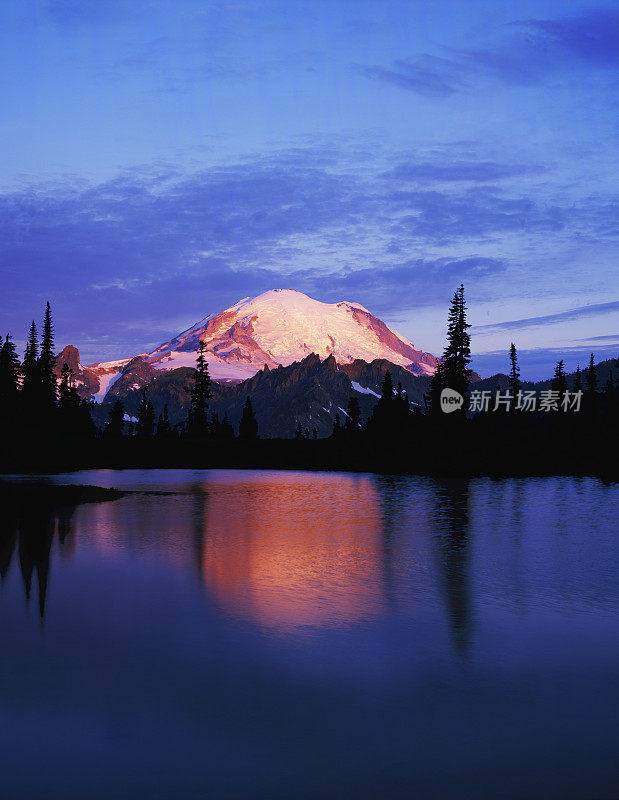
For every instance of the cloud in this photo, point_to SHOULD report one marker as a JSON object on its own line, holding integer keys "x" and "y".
{"x": 468, "y": 171}
{"x": 592, "y": 36}
{"x": 153, "y": 244}
{"x": 477, "y": 212}
{"x": 428, "y": 75}
{"x": 550, "y": 319}
{"x": 526, "y": 53}
{"x": 613, "y": 337}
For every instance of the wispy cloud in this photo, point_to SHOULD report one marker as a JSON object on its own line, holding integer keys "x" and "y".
{"x": 155, "y": 243}
{"x": 550, "y": 319}
{"x": 462, "y": 171}
{"x": 527, "y": 51}
{"x": 428, "y": 75}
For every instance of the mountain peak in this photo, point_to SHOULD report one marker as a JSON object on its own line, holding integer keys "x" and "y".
{"x": 282, "y": 326}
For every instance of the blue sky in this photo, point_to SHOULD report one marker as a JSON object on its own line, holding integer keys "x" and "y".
{"x": 163, "y": 158}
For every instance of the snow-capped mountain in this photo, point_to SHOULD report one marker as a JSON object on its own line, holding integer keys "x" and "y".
{"x": 277, "y": 328}
{"x": 282, "y": 326}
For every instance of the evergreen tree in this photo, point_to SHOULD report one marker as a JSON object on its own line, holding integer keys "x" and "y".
{"x": 337, "y": 428}
{"x": 401, "y": 407}
{"x": 437, "y": 383}
{"x": 46, "y": 361}
{"x": 164, "y": 429}
{"x": 609, "y": 394}
{"x": 386, "y": 390}
{"x": 591, "y": 387}
{"x": 30, "y": 369}
{"x": 306, "y": 433}
{"x": 227, "y": 431}
{"x": 116, "y": 420}
{"x": 200, "y": 395}
{"x": 64, "y": 389}
{"x": 578, "y": 380}
{"x": 592, "y": 377}
{"x": 298, "y": 434}
{"x": 457, "y": 353}
{"x": 146, "y": 417}
{"x": 314, "y": 433}
{"x": 9, "y": 369}
{"x": 353, "y": 416}
{"x": 515, "y": 384}
{"x": 559, "y": 379}
{"x": 248, "y": 427}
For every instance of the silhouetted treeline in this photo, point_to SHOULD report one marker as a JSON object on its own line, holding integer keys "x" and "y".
{"x": 560, "y": 427}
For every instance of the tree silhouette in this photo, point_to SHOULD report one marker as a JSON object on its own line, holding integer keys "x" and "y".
{"x": 353, "y": 416}
{"x": 578, "y": 380}
{"x": 337, "y": 428}
{"x": 226, "y": 429}
{"x": 9, "y": 368}
{"x": 559, "y": 379}
{"x": 30, "y": 369}
{"x": 164, "y": 429}
{"x": 46, "y": 362}
{"x": 116, "y": 420}
{"x": 200, "y": 395}
{"x": 457, "y": 353}
{"x": 592, "y": 386}
{"x": 432, "y": 399}
{"x": 515, "y": 384}
{"x": 146, "y": 418}
{"x": 248, "y": 427}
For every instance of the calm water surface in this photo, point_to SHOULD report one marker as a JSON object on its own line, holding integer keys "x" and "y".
{"x": 296, "y": 635}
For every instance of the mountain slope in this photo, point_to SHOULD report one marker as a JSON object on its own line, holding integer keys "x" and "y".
{"x": 282, "y": 326}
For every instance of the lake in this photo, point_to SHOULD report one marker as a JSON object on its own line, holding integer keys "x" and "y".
{"x": 226, "y": 634}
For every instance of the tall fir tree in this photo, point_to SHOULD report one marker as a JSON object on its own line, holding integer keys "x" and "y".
{"x": 337, "y": 427}
{"x": 401, "y": 406}
{"x": 9, "y": 372}
{"x": 146, "y": 418}
{"x": 457, "y": 353}
{"x": 559, "y": 379}
{"x": 200, "y": 395}
{"x": 227, "y": 431}
{"x": 248, "y": 427}
{"x": 432, "y": 399}
{"x": 592, "y": 376}
{"x": 30, "y": 370}
{"x": 353, "y": 416}
{"x": 47, "y": 377}
{"x": 591, "y": 397}
{"x": 298, "y": 432}
{"x": 386, "y": 389}
{"x": 116, "y": 420}
{"x": 164, "y": 429}
{"x": 578, "y": 380}
{"x": 514, "y": 381}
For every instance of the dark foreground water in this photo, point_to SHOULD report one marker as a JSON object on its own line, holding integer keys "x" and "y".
{"x": 295, "y": 635}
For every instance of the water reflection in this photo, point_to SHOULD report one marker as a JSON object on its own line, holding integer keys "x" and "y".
{"x": 225, "y": 634}
{"x": 27, "y": 535}
{"x": 451, "y": 534}
{"x": 281, "y": 550}
{"x": 292, "y": 553}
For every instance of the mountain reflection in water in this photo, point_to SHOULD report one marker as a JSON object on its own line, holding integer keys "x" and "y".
{"x": 279, "y": 634}
{"x": 284, "y": 552}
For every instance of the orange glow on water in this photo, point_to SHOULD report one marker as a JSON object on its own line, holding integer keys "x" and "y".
{"x": 294, "y": 551}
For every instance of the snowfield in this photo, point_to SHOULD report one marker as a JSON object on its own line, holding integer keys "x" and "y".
{"x": 282, "y": 326}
